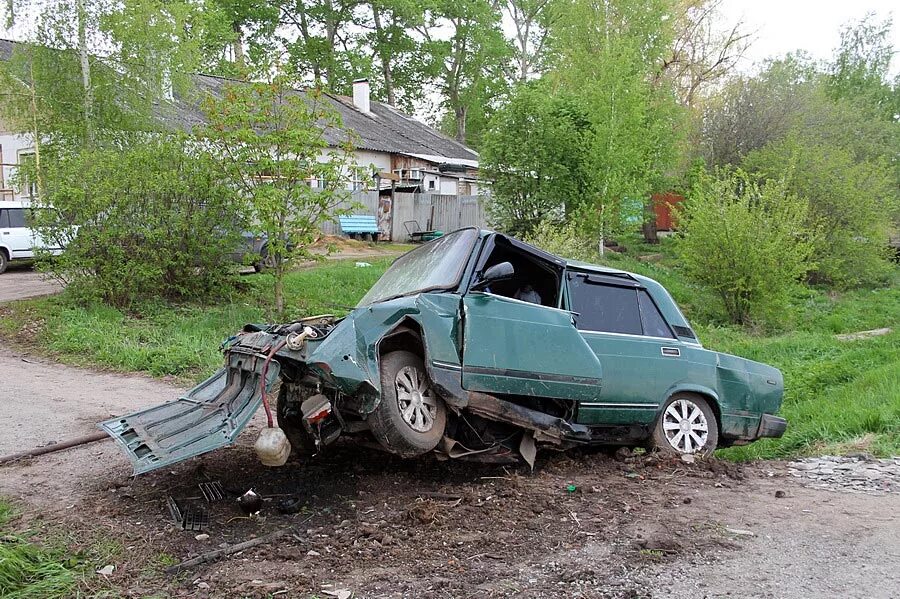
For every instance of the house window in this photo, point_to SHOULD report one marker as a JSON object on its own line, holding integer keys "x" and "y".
{"x": 27, "y": 184}
{"x": 431, "y": 184}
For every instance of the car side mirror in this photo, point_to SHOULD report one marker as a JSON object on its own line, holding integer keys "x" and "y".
{"x": 496, "y": 273}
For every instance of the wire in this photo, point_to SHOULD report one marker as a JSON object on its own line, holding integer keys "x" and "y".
{"x": 262, "y": 383}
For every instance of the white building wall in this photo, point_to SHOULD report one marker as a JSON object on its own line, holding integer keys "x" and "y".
{"x": 448, "y": 186}
{"x": 12, "y": 145}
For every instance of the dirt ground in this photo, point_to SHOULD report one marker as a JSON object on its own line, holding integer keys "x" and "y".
{"x": 21, "y": 281}
{"x": 580, "y": 525}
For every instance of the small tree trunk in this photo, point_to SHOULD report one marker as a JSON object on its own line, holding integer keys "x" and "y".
{"x": 85, "y": 72}
{"x": 237, "y": 47}
{"x": 279, "y": 285}
{"x": 460, "y": 112}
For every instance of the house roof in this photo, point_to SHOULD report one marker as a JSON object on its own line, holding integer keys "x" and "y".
{"x": 383, "y": 129}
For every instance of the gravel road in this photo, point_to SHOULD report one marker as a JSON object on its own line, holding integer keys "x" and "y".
{"x": 634, "y": 528}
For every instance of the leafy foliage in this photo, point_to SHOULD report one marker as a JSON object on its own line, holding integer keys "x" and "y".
{"x": 535, "y": 155}
{"x": 149, "y": 220}
{"x": 745, "y": 240}
{"x": 849, "y": 204}
{"x": 269, "y": 142}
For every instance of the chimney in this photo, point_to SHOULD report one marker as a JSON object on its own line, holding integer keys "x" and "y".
{"x": 361, "y": 95}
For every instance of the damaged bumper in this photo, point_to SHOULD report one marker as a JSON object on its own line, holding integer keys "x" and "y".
{"x": 771, "y": 426}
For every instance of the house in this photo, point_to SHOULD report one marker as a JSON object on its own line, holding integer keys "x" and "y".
{"x": 402, "y": 153}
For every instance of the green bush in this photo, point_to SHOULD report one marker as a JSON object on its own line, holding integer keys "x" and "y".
{"x": 144, "y": 222}
{"x": 562, "y": 239}
{"x": 746, "y": 241}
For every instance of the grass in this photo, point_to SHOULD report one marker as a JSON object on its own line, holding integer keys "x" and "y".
{"x": 29, "y": 571}
{"x": 840, "y": 396}
{"x": 181, "y": 341}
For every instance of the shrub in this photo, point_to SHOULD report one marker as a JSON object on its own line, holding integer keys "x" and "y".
{"x": 746, "y": 241}
{"x": 562, "y": 239}
{"x": 147, "y": 221}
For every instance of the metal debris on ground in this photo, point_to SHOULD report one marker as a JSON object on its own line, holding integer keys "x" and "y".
{"x": 212, "y": 491}
{"x": 852, "y": 474}
{"x": 190, "y": 517}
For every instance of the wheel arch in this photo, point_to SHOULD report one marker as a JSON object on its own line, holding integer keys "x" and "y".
{"x": 409, "y": 335}
{"x": 709, "y": 395}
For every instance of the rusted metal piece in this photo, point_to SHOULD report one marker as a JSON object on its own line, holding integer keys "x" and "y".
{"x": 52, "y": 448}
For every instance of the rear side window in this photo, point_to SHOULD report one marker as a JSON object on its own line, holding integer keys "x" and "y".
{"x": 654, "y": 323}
{"x": 605, "y": 308}
{"x": 4, "y": 219}
{"x": 15, "y": 217}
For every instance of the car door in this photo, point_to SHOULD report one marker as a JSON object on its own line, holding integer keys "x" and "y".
{"x": 18, "y": 234}
{"x": 520, "y": 348}
{"x": 640, "y": 355}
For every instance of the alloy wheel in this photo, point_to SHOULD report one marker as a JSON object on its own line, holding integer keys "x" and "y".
{"x": 418, "y": 405}
{"x": 685, "y": 426}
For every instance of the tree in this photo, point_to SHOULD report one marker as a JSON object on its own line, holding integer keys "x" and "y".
{"x": 325, "y": 49}
{"x": 861, "y": 67}
{"x": 468, "y": 61}
{"x": 746, "y": 241}
{"x": 270, "y": 144}
{"x": 153, "y": 222}
{"x": 605, "y": 54}
{"x": 398, "y": 55}
{"x": 850, "y": 203}
{"x": 535, "y": 154}
{"x": 532, "y": 20}
{"x": 701, "y": 53}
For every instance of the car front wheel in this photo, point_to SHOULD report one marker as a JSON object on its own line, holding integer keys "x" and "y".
{"x": 687, "y": 425}
{"x": 410, "y": 419}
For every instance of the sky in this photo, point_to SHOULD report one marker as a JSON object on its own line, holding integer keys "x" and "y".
{"x": 781, "y": 26}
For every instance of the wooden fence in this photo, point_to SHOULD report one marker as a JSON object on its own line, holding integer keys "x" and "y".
{"x": 406, "y": 212}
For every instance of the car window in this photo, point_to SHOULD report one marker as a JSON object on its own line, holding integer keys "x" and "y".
{"x": 604, "y": 308}
{"x": 4, "y": 219}
{"x": 16, "y": 217}
{"x": 654, "y": 323}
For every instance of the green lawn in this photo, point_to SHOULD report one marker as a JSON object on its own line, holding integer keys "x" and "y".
{"x": 29, "y": 571}
{"x": 840, "y": 395}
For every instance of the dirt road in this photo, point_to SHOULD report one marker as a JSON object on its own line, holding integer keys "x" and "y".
{"x": 579, "y": 526}
{"x": 20, "y": 282}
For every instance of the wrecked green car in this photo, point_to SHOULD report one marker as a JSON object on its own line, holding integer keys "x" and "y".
{"x": 474, "y": 345}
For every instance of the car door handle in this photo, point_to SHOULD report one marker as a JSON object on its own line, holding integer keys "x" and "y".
{"x": 671, "y": 352}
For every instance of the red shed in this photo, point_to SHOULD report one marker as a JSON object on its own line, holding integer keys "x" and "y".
{"x": 662, "y": 208}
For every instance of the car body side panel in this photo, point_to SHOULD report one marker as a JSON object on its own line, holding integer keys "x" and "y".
{"x": 636, "y": 377}
{"x": 514, "y": 347}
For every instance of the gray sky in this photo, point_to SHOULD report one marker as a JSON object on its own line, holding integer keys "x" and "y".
{"x": 782, "y": 26}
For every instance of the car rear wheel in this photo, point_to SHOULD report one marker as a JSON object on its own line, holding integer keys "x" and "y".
{"x": 4, "y": 261}
{"x": 686, "y": 425}
{"x": 410, "y": 418}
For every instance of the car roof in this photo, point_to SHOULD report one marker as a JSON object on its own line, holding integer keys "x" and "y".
{"x": 14, "y": 204}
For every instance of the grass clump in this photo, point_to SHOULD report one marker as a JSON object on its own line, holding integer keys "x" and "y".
{"x": 28, "y": 571}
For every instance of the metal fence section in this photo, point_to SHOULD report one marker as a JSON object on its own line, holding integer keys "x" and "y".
{"x": 407, "y": 212}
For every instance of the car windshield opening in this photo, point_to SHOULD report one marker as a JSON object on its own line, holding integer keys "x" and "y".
{"x": 436, "y": 265}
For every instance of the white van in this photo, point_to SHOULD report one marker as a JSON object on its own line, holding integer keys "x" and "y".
{"x": 17, "y": 240}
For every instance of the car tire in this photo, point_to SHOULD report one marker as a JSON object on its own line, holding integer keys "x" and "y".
{"x": 686, "y": 425}
{"x": 290, "y": 421}
{"x": 410, "y": 418}
{"x": 4, "y": 261}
